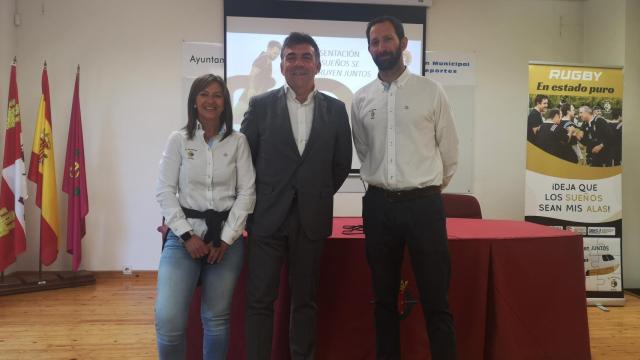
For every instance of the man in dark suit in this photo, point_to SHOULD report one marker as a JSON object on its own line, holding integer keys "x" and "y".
{"x": 598, "y": 138}
{"x": 557, "y": 139}
{"x": 534, "y": 120}
{"x": 301, "y": 146}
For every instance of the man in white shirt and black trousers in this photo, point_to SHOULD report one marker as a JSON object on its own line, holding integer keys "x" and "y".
{"x": 405, "y": 137}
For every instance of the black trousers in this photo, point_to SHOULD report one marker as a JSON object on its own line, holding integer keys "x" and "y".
{"x": 266, "y": 256}
{"x": 601, "y": 161}
{"x": 420, "y": 224}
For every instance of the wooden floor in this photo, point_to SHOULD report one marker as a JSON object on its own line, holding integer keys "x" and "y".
{"x": 110, "y": 320}
{"x": 114, "y": 320}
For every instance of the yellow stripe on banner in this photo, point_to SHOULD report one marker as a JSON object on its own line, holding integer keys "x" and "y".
{"x": 544, "y": 163}
{"x": 575, "y": 81}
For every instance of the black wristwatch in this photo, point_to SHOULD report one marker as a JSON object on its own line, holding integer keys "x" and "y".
{"x": 187, "y": 235}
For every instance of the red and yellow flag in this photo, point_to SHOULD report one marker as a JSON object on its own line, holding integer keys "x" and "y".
{"x": 42, "y": 171}
{"x": 13, "y": 190}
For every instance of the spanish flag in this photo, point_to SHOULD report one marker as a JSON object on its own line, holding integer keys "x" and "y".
{"x": 13, "y": 190}
{"x": 42, "y": 171}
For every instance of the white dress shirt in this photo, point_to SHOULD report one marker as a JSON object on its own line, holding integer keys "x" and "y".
{"x": 197, "y": 176}
{"x": 404, "y": 133}
{"x": 301, "y": 116}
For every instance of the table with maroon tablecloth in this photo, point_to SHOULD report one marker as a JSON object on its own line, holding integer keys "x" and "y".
{"x": 517, "y": 292}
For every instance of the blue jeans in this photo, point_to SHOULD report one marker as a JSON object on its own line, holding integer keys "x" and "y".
{"x": 177, "y": 279}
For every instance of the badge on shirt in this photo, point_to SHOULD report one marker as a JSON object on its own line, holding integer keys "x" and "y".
{"x": 190, "y": 153}
{"x": 372, "y": 114}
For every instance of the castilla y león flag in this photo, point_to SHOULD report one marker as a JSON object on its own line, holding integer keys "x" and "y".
{"x": 42, "y": 171}
{"x": 74, "y": 182}
{"x": 13, "y": 190}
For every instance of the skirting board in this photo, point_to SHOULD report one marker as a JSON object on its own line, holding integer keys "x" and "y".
{"x": 606, "y": 301}
{"x": 30, "y": 281}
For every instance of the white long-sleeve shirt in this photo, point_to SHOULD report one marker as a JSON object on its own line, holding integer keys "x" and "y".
{"x": 196, "y": 176}
{"x": 404, "y": 133}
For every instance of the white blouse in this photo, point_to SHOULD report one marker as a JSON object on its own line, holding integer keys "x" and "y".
{"x": 199, "y": 177}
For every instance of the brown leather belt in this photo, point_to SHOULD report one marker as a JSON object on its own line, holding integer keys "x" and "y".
{"x": 403, "y": 195}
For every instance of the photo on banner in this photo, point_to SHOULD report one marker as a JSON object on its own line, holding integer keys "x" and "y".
{"x": 574, "y": 164}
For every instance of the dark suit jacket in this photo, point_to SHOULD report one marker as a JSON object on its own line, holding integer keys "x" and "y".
{"x": 282, "y": 174}
{"x": 533, "y": 120}
{"x": 598, "y": 132}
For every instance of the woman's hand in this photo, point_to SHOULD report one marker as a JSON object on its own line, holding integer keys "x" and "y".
{"x": 196, "y": 247}
{"x": 217, "y": 253}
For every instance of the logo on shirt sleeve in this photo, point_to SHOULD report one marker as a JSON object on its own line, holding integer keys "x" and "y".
{"x": 372, "y": 114}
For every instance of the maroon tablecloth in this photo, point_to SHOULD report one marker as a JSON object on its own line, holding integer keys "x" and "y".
{"x": 517, "y": 292}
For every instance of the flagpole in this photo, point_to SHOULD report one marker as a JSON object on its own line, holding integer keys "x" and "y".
{"x": 15, "y": 60}
{"x": 77, "y": 75}
{"x": 40, "y": 247}
{"x": 40, "y": 262}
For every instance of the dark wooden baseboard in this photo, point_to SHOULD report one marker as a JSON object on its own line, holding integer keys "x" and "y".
{"x": 30, "y": 281}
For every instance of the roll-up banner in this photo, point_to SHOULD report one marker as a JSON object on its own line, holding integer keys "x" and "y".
{"x": 574, "y": 165}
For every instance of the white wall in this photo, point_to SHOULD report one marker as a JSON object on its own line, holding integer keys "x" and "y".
{"x": 7, "y": 52}
{"x": 129, "y": 52}
{"x": 604, "y": 32}
{"x": 631, "y": 148}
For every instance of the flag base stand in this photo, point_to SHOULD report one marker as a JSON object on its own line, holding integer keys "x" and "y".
{"x": 30, "y": 281}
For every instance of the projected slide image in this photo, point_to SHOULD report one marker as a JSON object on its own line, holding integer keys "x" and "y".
{"x": 253, "y": 57}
